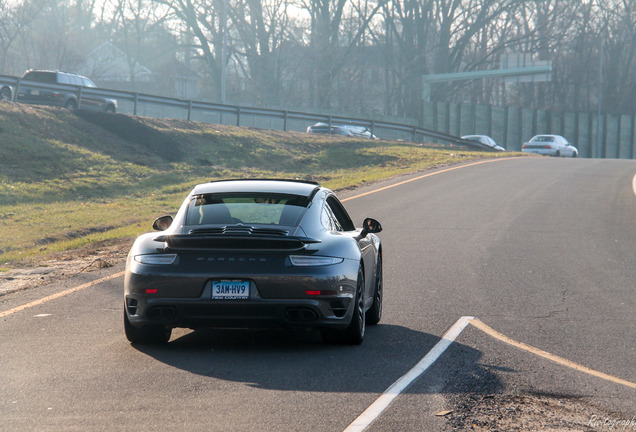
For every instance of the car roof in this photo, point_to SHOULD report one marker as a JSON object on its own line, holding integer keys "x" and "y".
{"x": 48, "y": 71}
{"x": 294, "y": 187}
{"x": 547, "y": 136}
{"x": 340, "y": 125}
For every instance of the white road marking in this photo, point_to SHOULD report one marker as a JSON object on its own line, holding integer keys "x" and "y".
{"x": 365, "y": 419}
{"x": 380, "y": 404}
{"x": 634, "y": 184}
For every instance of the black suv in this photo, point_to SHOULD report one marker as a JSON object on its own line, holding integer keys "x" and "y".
{"x": 62, "y": 98}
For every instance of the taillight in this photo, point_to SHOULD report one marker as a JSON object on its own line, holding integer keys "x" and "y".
{"x": 321, "y": 292}
{"x": 309, "y": 260}
{"x": 156, "y": 259}
{"x": 151, "y": 290}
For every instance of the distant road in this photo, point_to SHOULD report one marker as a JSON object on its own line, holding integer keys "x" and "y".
{"x": 540, "y": 249}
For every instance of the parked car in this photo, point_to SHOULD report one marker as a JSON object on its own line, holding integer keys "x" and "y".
{"x": 484, "y": 140}
{"x": 552, "y": 145}
{"x": 255, "y": 253}
{"x": 346, "y": 130}
{"x": 67, "y": 99}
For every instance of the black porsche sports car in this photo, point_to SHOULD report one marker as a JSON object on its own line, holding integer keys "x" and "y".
{"x": 255, "y": 253}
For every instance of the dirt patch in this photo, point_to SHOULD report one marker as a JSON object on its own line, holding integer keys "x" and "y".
{"x": 531, "y": 412}
{"x": 63, "y": 265}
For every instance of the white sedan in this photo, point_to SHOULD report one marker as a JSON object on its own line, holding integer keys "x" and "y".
{"x": 551, "y": 145}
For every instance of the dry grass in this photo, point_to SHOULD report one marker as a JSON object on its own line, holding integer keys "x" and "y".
{"x": 71, "y": 179}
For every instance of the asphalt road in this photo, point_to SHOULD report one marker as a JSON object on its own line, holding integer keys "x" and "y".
{"x": 540, "y": 249}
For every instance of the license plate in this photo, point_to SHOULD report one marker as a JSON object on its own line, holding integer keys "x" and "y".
{"x": 35, "y": 92}
{"x": 230, "y": 290}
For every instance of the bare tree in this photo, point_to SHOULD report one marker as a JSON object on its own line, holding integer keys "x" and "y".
{"x": 136, "y": 25}
{"x": 262, "y": 28}
{"x": 14, "y": 20}
{"x": 617, "y": 33}
{"x": 207, "y": 23}
{"x": 329, "y": 46}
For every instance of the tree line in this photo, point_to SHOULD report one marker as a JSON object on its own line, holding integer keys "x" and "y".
{"x": 363, "y": 56}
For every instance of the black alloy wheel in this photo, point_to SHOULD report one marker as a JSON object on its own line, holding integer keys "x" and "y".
{"x": 354, "y": 333}
{"x": 374, "y": 314}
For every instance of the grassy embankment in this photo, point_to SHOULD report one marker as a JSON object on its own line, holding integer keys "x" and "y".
{"x": 69, "y": 180}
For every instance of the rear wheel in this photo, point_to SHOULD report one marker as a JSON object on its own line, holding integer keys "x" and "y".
{"x": 374, "y": 314}
{"x": 354, "y": 334}
{"x": 146, "y": 334}
{"x": 5, "y": 94}
{"x": 70, "y": 105}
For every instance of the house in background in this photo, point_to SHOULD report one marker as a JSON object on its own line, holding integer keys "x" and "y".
{"x": 111, "y": 67}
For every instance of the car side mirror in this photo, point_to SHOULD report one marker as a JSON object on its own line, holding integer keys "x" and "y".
{"x": 370, "y": 225}
{"x": 162, "y": 223}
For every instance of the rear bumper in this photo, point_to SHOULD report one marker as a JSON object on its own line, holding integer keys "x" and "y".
{"x": 179, "y": 296}
{"x": 545, "y": 152}
{"x": 186, "y": 313}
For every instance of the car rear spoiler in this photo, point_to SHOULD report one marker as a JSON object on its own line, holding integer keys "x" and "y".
{"x": 186, "y": 242}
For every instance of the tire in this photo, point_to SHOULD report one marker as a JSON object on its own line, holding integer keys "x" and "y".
{"x": 5, "y": 94}
{"x": 354, "y": 333}
{"x": 70, "y": 105}
{"x": 110, "y": 109}
{"x": 374, "y": 314}
{"x": 575, "y": 154}
{"x": 146, "y": 334}
{"x": 558, "y": 153}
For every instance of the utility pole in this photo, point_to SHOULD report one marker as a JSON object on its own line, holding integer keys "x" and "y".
{"x": 599, "y": 120}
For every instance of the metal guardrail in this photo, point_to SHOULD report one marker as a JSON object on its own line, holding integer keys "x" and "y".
{"x": 136, "y": 100}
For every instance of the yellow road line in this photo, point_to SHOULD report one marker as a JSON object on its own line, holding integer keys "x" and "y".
{"x": 560, "y": 360}
{"x": 427, "y": 175}
{"x": 60, "y": 294}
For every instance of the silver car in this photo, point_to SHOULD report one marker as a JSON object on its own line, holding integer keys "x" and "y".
{"x": 345, "y": 130}
{"x": 484, "y": 140}
{"x": 34, "y": 94}
{"x": 551, "y": 145}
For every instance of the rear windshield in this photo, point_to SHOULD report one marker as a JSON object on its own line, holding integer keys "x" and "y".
{"x": 246, "y": 208}
{"x": 543, "y": 139}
